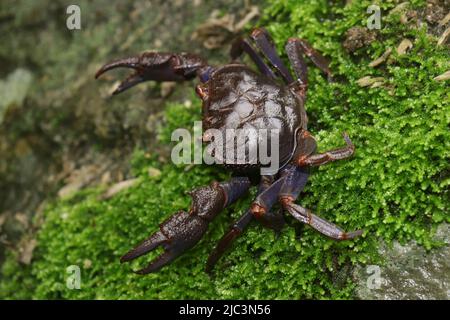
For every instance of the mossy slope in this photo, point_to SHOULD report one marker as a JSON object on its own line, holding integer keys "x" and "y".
{"x": 394, "y": 187}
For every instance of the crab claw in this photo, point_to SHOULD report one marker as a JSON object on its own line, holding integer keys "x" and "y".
{"x": 157, "y": 66}
{"x": 183, "y": 230}
{"x": 177, "y": 234}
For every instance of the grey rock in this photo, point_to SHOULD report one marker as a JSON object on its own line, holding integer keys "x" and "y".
{"x": 409, "y": 272}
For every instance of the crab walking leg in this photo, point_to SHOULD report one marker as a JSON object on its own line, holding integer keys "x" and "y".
{"x": 294, "y": 183}
{"x": 297, "y": 47}
{"x": 298, "y": 64}
{"x": 225, "y": 242}
{"x": 329, "y": 156}
{"x": 264, "y": 42}
{"x": 323, "y": 226}
{"x": 267, "y": 196}
{"x": 239, "y": 46}
{"x": 295, "y": 179}
{"x": 183, "y": 230}
{"x": 157, "y": 66}
{"x": 260, "y": 208}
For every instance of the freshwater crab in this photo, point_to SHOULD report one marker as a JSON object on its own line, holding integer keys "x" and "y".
{"x": 233, "y": 96}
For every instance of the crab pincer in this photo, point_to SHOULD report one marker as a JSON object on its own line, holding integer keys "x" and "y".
{"x": 157, "y": 66}
{"x": 183, "y": 230}
{"x": 176, "y": 235}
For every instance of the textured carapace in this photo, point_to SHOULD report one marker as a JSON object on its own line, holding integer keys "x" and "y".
{"x": 236, "y": 97}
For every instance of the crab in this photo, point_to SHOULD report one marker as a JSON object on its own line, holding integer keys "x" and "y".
{"x": 235, "y": 95}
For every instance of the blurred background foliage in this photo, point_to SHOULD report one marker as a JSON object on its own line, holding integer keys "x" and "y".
{"x": 67, "y": 148}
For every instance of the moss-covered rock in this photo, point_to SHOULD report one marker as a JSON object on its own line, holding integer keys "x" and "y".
{"x": 395, "y": 187}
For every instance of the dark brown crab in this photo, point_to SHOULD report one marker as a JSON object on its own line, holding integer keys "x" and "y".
{"x": 233, "y": 96}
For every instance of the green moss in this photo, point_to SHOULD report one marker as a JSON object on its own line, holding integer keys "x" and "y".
{"x": 394, "y": 187}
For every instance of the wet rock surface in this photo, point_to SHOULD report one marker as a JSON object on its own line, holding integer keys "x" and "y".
{"x": 409, "y": 272}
